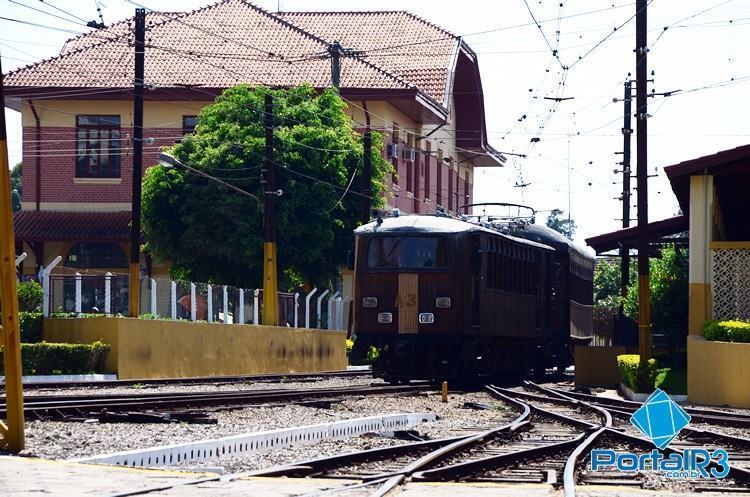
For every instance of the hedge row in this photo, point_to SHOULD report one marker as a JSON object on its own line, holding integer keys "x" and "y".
{"x": 31, "y": 326}
{"x": 62, "y": 358}
{"x": 636, "y": 376}
{"x": 727, "y": 331}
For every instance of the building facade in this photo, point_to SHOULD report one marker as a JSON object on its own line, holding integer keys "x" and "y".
{"x": 405, "y": 77}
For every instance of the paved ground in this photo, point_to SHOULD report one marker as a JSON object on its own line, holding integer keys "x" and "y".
{"x": 27, "y": 477}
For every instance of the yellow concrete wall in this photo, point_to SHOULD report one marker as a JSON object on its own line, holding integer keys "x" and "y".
{"x": 171, "y": 349}
{"x": 597, "y": 366}
{"x": 718, "y": 372}
{"x": 86, "y": 330}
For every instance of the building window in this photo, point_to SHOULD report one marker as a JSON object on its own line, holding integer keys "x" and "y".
{"x": 394, "y": 160}
{"x": 439, "y": 178}
{"x": 98, "y": 154}
{"x": 188, "y": 124}
{"x": 96, "y": 255}
{"x": 428, "y": 166}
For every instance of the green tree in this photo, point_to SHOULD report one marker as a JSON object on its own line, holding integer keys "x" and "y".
{"x": 668, "y": 283}
{"x": 16, "y": 186}
{"x": 210, "y": 233}
{"x": 561, "y": 224}
{"x": 607, "y": 282}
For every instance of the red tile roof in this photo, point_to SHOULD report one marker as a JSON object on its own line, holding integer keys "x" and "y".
{"x": 405, "y": 44}
{"x": 234, "y": 41}
{"x": 81, "y": 226}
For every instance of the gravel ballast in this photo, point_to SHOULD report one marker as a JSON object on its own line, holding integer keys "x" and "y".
{"x": 69, "y": 440}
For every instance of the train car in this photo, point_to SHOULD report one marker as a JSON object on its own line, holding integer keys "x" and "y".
{"x": 443, "y": 297}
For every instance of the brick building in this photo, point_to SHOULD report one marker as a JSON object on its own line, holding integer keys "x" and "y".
{"x": 410, "y": 78}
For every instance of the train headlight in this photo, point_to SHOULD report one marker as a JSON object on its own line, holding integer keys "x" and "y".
{"x": 443, "y": 302}
{"x": 426, "y": 318}
{"x": 369, "y": 302}
{"x": 385, "y": 318}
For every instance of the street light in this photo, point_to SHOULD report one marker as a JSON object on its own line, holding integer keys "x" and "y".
{"x": 169, "y": 161}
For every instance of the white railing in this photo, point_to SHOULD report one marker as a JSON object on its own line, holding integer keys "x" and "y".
{"x": 77, "y": 293}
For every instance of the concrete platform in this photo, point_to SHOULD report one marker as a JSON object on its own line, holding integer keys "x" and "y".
{"x": 20, "y": 476}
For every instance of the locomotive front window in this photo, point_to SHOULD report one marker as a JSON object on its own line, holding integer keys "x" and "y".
{"x": 411, "y": 252}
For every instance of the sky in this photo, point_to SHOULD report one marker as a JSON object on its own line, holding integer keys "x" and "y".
{"x": 571, "y": 146}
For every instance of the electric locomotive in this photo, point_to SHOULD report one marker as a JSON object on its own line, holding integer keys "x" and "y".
{"x": 444, "y": 297}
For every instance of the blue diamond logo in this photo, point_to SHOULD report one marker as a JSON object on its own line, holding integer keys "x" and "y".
{"x": 660, "y": 419}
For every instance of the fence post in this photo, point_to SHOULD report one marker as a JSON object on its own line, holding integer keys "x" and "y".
{"x": 242, "y": 307}
{"x": 153, "y": 297}
{"x": 340, "y": 314}
{"x": 256, "y": 293}
{"x": 78, "y": 294}
{"x": 192, "y": 301}
{"x": 331, "y": 310}
{"x": 225, "y": 294}
{"x": 296, "y": 309}
{"x": 173, "y": 299}
{"x": 20, "y": 258}
{"x": 307, "y": 306}
{"x": 108, "y": 294}
{"x": 210, "y": 304}
{"x": 320, "y": 300}
{"x": 44, "y": 276}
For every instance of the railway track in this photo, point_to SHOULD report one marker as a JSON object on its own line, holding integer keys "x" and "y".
{"x": 550, "y": 441}
{"x": 201, "y": 380}
{"x": 82, "y": 406}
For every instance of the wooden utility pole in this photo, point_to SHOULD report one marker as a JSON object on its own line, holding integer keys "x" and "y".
{"x": 12, "y": 434}
{"x": 367, "y": 168}
{"x": 335, "y": 50}
{"x": 270, "y": 296}
{"x": 135, "y": 208}
{"x": 641, "y": 73}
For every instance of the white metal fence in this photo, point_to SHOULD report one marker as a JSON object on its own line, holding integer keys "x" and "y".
{"x": 71, "y": 292}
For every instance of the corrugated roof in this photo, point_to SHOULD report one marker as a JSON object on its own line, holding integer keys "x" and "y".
{"x": 234, "y": 41}
{"x": 66, "y": 225}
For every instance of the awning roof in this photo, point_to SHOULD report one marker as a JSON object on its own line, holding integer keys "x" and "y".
{"x": 32, "y": 226}
{"x": 627, "y": 237}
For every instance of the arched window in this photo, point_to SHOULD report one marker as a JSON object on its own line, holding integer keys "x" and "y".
{"x": 96, "y": 255}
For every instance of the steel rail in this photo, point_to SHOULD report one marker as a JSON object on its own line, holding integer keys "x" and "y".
{"x": 197, "y": 380}
{"x": 64, "y": 405}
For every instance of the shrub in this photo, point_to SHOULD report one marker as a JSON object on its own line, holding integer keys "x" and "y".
{"x": 62, "y": 358}
{"x": 30, "y": 296}
{"x": 636, "y": 376}
{"x": 31, "y": 326}
{"x": 727, "y": 331}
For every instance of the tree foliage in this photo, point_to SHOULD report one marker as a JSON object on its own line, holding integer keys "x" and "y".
{"x": 213, "y": 234}
{"x": 607, "y": 282}
{"x": 668, "y": 284}
{"x": 16, "y": 186}
{"x": 561, "y": 224}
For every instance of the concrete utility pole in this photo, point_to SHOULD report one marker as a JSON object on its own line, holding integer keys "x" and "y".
{"x": 627, "y": 132}
{"x": 270, "y": 296}
{"x": 12, "y": 434}
{"x": 135, "y": 209}
{"x": 644, "y": 297}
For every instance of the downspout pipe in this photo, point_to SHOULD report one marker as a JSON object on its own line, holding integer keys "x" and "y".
{"x": 38, "y": 154}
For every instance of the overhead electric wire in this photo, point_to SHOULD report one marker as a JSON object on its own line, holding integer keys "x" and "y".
{"x": 47, "y": 13}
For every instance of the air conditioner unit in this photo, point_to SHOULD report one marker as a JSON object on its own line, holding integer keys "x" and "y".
{"x": 409, "y": 154}
{"x": 391, "y": 150}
